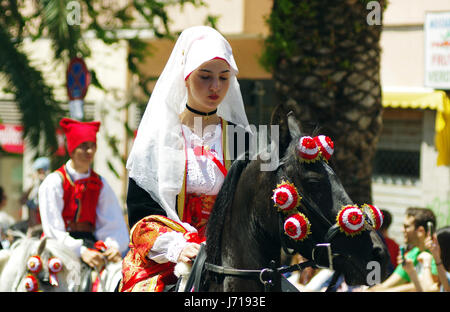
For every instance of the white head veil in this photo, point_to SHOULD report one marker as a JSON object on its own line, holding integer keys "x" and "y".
{"x": 157, "y": 158}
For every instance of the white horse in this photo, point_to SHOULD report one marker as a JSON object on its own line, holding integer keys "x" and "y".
{"x": 33, "y": 264}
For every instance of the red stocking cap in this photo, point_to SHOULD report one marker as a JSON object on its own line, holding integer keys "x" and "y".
{"x": 78, "y": 132}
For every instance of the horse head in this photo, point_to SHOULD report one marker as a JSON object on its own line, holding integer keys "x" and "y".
{"x": 319, "y": 219}
{"x": 40, "y": 265}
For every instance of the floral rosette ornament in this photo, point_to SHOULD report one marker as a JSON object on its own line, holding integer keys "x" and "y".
{"x": 34, "y": 264}
{"x": 326, "y": 146}
{"x": 351, "y": 220}
{"x": 31, "y": 283}
{"x": 297, "y": 227}
{"x": 54, "y": 267}
{"x": 286, "y": 197}
{"x": 374, "y": 214}
{"x": 307, "y": 149}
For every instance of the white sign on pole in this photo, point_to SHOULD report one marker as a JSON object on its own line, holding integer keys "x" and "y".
{"x": 437, "y": 50}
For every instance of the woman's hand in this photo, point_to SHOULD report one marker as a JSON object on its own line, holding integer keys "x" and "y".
{"x": 189, "y": 252}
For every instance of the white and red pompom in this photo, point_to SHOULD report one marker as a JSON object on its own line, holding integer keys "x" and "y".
{"x": 375, "y": 215}
{"x": 54, "y": 266}
{"x": 34, "y": 264}
{"x": 326, "y": 146}
{"x": 307, "y": 148}
{"x": 297, "y": 227}
{"x": 351, "y": 220}
{"x": 286, "y": 197}
{"x": 31, "y": 283}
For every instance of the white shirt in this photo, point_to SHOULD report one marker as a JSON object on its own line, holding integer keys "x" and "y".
{"x": 203, "y": 177}
{"x": 110, "y": 225}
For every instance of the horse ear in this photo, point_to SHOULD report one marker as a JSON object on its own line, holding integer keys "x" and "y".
{"x": 293, "y": 124}
{"x": 41, "y": 246}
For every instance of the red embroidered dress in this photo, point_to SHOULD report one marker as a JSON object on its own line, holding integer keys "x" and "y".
{"x": 143, "y": 274}
{"x": 80, "y": 199}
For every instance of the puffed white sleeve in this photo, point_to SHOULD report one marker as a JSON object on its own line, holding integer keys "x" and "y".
{"x": 51, "y": 204}
{"x": 110, "y": 225}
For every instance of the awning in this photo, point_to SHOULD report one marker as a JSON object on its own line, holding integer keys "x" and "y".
{"x": 11, "y": 139}
{"x": 437, "y": 100}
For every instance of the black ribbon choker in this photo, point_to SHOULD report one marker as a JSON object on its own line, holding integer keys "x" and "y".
{"x": 199, "y": 112}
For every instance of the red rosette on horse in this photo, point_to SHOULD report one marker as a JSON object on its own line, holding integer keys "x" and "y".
{"x": 350, "y": 220}
{"x": 297, "y": 227}
{"x": 31, "y": 283}
{"x": 34, "y": 264}
{"x": 326, "y": 146}
{"x": 307, "y": 149}
{"x": 54, "y": 266}
{"x": 374, "y": 214}
{"x": 286, "y": 197}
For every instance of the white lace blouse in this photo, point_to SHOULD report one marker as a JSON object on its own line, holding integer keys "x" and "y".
{"x": 203, "y": 177}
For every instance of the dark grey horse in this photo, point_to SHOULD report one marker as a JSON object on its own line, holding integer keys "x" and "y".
{"x": 245, "y": 230}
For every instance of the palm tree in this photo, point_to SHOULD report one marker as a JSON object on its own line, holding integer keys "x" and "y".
{"x": 49, "y": 19}
{"x": 325, "y": 59}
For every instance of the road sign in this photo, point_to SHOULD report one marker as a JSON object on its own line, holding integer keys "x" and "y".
{"x": 78, "y": 79}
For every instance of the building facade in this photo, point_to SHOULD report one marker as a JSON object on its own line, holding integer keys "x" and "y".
{"x": 405, "y": 168}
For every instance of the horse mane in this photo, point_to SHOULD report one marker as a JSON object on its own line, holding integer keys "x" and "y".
{"x": 224, "y": 201}
{"x": 16, "y": 266}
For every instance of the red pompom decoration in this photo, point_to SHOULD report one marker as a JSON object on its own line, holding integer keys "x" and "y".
{"x": 297, "y": 227}
{"x": 307, "y": 148}
{"x": 31, "y": 283}
{"x": 34, "y": 264}
{"x": 351, "y": 220}
{"x": 326, "y": 146}
{"x": 286, "y": 197}
{"x": 375, "y": 215}
{"x": 54, "y": 265}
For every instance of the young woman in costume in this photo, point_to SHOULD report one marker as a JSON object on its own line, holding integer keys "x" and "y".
{"x": 180, "y": 157}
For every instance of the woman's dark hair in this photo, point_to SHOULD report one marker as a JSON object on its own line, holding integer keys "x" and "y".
{"x": 387, "y": 219}
{"x": 443, "y": 237}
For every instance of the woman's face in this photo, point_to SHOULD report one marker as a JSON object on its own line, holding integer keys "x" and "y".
{"x": 208, "y": 84}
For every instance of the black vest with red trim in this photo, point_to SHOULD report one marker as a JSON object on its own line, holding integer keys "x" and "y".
{"x": 80, "y": 197}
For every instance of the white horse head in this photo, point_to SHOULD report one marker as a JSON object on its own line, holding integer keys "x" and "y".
{"x": 72, "y": 275}
{"x": 16, "y": 272}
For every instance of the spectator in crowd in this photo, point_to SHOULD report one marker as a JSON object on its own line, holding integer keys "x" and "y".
{"x": 30, "y": 199}
{"x": 415, "y": 234}
{"x": 6, "y": 221}
{"x": 439, "y": 245}
{"x": 391, "y": 244}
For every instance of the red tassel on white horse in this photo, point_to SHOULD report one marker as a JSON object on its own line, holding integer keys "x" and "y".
{"x": 54, "y": 266}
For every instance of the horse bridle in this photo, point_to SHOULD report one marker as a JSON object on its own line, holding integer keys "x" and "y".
{"x": 267, "y": 275}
